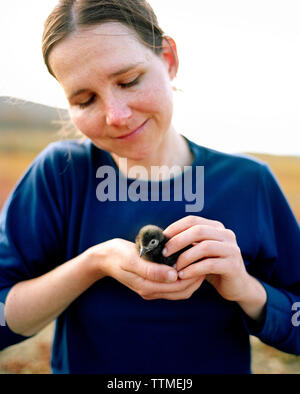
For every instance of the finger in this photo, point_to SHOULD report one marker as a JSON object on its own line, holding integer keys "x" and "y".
{"x": 152, "y": 271}
{"x": 189, "y": 221}
{"x": 202, "y": 250}
{"x": 194, "y": 234}
{"x": 182, "y": 294}
{"x": 204, "y": 267}
{"x": 153, "y": 290}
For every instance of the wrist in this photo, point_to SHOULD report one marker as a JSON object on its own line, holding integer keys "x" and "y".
{"x": 254, "y": 298}
{"x": 94, "y": 259}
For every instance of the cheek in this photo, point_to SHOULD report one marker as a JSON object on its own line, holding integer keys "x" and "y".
{"x": 157, "y": 99}
{"x": 86, "y": 121}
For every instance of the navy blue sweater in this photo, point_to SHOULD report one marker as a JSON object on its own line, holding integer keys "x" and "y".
{"x": 54, "y": 214}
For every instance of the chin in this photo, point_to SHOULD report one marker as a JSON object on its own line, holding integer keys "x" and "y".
{"x": 137, "y": 154}
{"x": 137, "y": 151}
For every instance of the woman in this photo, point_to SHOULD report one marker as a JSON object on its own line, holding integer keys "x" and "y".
{"x": 76, "y": 261}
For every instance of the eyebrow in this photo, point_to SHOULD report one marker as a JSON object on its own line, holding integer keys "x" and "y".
{"x": 123, "y": 70}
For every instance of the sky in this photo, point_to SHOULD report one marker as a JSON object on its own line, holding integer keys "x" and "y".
{"x": 239, "y": 76}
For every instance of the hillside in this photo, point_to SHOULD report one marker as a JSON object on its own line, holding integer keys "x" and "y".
{"x": 17, "y": 114}
{"x": 28, "y": 127}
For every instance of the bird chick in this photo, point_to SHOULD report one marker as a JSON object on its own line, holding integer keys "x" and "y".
{"x": 150, "y": 243}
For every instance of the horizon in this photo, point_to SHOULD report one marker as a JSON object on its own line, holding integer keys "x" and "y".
{"x": 17, "y": 100}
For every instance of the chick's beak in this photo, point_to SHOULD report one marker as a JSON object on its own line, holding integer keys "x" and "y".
{"x": 142, "y": 251}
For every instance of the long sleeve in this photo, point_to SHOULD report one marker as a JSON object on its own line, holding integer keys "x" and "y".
{"x": 277, "y": 266}
{"x": 31, "y": 230}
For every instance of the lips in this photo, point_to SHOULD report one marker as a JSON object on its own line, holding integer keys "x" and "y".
{"x": 133, "y": 133}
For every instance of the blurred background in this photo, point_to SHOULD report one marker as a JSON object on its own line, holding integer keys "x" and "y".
{"x": 238, "y": 91}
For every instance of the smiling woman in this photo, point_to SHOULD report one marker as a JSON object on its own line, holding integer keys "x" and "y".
{"x": 67, "y": 254}
{"x": 119, "y": 92}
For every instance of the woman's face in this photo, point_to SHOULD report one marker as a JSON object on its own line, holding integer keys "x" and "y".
{"x": 119, "y": 91}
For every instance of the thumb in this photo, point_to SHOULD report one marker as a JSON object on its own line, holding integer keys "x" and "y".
{"x": 156, "y": 272}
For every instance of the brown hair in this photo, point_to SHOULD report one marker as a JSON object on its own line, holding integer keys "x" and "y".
{"x": 69, "y": 15}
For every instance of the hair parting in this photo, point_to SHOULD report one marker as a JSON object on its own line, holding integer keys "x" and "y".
{"x": 70, "y": 15}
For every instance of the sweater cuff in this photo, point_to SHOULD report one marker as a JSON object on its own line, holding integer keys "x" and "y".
{"x": 7, "y": 336}
{"x": 276, "y": 324}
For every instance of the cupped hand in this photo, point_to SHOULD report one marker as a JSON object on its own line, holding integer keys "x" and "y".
{"x": 119, "y": 259}
{"x": 215, "y": 255}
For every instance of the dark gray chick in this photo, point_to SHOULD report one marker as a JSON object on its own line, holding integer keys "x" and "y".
{"x": 150, "y": 243}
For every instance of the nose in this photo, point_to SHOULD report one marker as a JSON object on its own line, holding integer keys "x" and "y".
{"x": 117, "y": 112}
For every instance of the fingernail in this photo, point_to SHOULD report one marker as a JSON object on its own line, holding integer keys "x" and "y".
{"x": 171, "y": 276}
{"x": 180, "y": 274}
{"x": 164, "y": 252}
{"x": 174, "y": 266}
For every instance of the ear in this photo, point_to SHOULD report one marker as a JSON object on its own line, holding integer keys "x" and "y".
{"x": 169, "y": 55}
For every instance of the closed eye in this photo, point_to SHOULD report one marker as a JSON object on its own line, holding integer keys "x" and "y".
{"x": 130, "y": 84}
{"x": 86, "y": 103}
{"x": 122, "y": 85}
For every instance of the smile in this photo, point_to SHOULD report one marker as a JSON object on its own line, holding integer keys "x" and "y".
{"x": 133, "y": 133}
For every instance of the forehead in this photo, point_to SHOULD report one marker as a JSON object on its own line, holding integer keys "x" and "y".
{"x": 106, "y": 46}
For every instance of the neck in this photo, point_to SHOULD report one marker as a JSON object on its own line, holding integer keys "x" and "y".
{"x": 168, "y": 160}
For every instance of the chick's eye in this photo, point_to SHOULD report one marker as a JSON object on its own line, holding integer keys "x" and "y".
{"x": 153, "y": 242}
{"x": 130, "y": 83}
